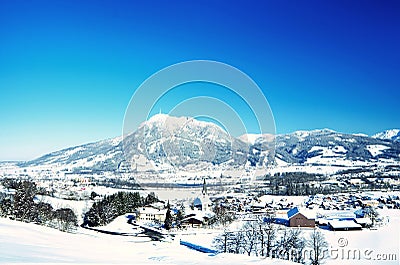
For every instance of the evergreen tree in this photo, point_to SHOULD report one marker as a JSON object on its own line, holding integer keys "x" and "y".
{"x": 44, "y": 212}
{"x": 24, "y": 206}
{"x": 168, "y": 218}
{"x": 66, "y": 219}
{"x": 151, "y": 198}
{"x": 180, "y": 215}
{"x": 6, "y": 208}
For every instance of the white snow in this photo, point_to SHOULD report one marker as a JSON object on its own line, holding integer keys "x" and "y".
{"x": 121, "y": 225}
{"x": 249, "y": 138}
{"x": 332, "y": 155}
{"x": 376, "y": 149}
{"x": 388, "y": 134}
{"x": 329, "y": 151}
{"x": 360, "y": 134}
{"x": 29, "y": 243}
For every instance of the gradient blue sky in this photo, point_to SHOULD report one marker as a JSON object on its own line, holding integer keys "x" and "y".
{"x": 69, "y": 68}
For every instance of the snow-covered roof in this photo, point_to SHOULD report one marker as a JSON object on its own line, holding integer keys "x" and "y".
{"x": 151, "y": 210}
{"x": 158, "y": 205}
{"x": 307, "y": 213}
{"x": 258, "y": 204}
{"x": 338, "y": 214}
{"x": 336, "y": 224}
{"x": 199, "y": 214}
{"x": 365, "y": 220}
{"x": 198, "y": 218}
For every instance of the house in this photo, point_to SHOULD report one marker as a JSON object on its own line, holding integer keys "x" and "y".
{"x": 193, "y": 221}
{"x": 345, "y": 225}
{"x": 300, "y": 218}
{"x": 196, "y": 218}
{"x": 150, "y": 214}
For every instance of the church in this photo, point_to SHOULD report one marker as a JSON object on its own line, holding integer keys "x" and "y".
{"x": 202, "y": 202}
{"x": 201, "y": 212}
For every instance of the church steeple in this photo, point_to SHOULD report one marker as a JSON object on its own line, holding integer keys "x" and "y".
{"x": 204, "y": 191}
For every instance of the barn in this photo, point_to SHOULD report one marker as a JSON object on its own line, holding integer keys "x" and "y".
{"x": 300, "y": 218}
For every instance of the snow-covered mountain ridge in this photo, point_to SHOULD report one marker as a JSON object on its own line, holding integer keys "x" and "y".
{"x": 393, "y": 135}
{"x": 165, "y": 141}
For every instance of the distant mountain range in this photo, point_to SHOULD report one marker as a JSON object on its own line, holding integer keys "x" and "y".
{"x": 393, "y": 135}
{"x": 164, "y": 142}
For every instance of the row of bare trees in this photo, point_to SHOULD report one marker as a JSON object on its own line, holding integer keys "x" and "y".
{"x": 263, "y": 238}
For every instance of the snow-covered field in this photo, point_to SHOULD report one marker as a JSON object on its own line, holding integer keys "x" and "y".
{"x": 29, "y": 243}
{"x": 372, "y": 246}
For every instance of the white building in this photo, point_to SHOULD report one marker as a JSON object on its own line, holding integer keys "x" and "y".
{"x": 150, "y": 214}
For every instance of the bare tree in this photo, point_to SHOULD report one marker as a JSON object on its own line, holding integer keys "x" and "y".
{"x": 230, "y": 242}
{"x": 290, "y": 245}
{"x": 267, "y": 235}
{"x": 283, "y": 248}
{"x": 250, "y": 232}
{"x": 222, "y": 215}
{"x": 296, "y": 245}
{"x": 318, "y": 246}
{"x": 221, "y": 242}
{"x": 237, "y": 242}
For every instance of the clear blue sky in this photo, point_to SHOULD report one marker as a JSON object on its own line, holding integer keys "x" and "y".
{"x": 69, "y": 68}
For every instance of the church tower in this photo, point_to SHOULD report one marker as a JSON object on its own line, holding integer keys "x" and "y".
{"x": 204, "y": 191}
{"x": 204, "y": 197}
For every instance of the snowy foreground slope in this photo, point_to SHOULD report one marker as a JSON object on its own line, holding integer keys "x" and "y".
{"x": 29, "y": 243}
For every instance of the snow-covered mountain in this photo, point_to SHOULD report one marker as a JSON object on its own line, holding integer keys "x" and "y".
{"x": 164, "y": 142}
{"x": 327, "y": 146}
{"x": 101, "y": 155}
{"x": 180, "y": 142}
{"x": 393, "y": 135}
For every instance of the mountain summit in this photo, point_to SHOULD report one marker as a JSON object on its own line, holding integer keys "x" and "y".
{"x": 181, "y": 141}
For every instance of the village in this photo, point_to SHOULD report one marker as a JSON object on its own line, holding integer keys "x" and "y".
{"x": 204, "y": 205}
{"x": 334, "y": 212}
